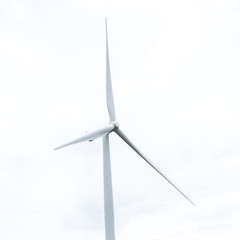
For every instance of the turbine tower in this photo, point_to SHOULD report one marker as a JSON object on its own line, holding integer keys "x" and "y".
{"x": 103, "y": 133}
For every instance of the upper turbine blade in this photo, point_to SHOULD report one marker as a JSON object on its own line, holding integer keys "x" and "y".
{"x": 125, "y": 138}
{"x": 90, "y": 136}
{"x": 109, "y": 92}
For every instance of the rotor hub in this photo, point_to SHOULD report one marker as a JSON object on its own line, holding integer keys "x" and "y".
{"x": 115, "y": 124}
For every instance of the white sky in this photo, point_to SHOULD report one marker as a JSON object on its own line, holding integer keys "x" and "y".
{"x": 175, "y": 73}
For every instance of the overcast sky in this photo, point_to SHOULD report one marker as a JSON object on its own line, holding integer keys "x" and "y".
{"x": 175, "y": 75}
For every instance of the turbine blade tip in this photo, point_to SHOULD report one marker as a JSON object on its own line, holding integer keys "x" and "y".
{"x": 59, "y": 147}
{"x": 193, "y": 204}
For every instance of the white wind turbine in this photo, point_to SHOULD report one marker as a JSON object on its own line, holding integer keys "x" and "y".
{"x": 113, "y": 126}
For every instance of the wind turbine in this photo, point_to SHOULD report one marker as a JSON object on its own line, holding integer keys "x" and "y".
{"x": 104, "y": 132}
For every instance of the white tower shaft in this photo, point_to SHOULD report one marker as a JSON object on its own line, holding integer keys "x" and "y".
{"x": 108, "y": 194}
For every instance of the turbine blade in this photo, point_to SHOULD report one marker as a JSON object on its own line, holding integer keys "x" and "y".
{"x": 90, "y": 136}
{"x": 109, "y": 92}
{"x": 126, "y": 139}
{"x": 108, "y": 195}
